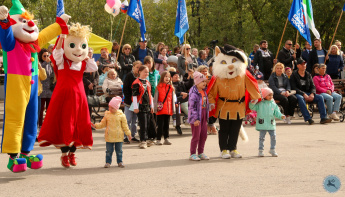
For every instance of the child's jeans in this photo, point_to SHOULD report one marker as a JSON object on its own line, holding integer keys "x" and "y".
{"x": 262, "y": 139}
{"x": 110, "y": 150}
{"x": 199, "y": 134}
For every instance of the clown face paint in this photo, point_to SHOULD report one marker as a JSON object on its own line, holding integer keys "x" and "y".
{"x": 24, "y": 30}
{"x": 76, "y": 48}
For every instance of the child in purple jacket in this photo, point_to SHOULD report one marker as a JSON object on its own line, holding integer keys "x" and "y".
{"x": 198, "y": 116}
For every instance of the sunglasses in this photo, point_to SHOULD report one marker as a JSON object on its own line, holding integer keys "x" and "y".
{"x": 289, "y": 44}
{"x": 128, "y": 48}
{"x": 187, "y": 48}
{"x": 45, "y": 55}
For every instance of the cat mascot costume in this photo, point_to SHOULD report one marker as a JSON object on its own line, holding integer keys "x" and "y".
{"x": 231, "y": 86}
{"x": 21, "y": 41}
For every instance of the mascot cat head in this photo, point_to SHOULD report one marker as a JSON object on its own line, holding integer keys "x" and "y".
{"x": 24, "y": 29}
{"x": 75, "y": 45}
{"x": 229, "y": 62}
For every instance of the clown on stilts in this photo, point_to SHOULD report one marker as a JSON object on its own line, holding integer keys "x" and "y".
{"x": 21, "y": 41}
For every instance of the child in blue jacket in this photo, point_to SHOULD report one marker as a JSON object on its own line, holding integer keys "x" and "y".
{"x": 266, "y": 110}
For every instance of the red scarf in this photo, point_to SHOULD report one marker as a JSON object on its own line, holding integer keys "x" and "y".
{"x": 31, "y": 46}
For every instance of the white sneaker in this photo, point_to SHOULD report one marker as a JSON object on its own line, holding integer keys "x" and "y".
{"x": 194, "y": 157}
{"x": 167, "y": 142}
{"x": 334, "y": 117}
{"x": 261, "y": 153}
{"x": 288, "y": 120}
{"x": 174, "y": 123}
{"x": 107, "y": 165}
{"x": 235, "y": 154}
{"x": 150, "y": 143}
{"x": 225, "y": 155}
{"x": 143, "y": 145}
{"x": 159, "y": 142}
{"x": 202, "y": 156}
{"x": 273, "y": 153}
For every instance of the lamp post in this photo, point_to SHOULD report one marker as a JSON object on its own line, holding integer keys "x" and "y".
{"x": 195, "y": 12}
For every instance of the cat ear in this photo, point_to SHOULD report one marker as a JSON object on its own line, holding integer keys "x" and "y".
{"x": 217, "y": 50}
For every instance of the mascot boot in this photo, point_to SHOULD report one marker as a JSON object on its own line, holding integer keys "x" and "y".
{"x": 17, "y": 164}
{"x": 33, "y": 161}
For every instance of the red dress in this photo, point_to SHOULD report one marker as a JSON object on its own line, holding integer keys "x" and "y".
{"x": 67, "y": 121}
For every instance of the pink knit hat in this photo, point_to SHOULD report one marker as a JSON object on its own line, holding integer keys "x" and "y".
{"x": 266, "y": 91}
{"x": 198, "y": 77}
{"x": 115, "y": 102}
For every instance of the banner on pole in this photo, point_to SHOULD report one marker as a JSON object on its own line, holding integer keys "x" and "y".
{"x": 60, "y": 8}
{"x": 181, "y": 24}
{"x": 135, "y": 11}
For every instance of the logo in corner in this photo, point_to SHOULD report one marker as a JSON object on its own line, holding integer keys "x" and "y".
{"x": 331, "y": 184}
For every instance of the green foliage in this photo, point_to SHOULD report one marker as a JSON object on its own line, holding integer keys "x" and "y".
{"x": 241, "y": 23}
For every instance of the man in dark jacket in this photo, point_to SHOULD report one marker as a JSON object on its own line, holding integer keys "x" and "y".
{"x": 302, "y": 82}
{"x": 306, "y": 52}
{"x": 264, "y": 59}
{"x": 142, "y": 51}
{"x": 287, "y": 55}
{"x": 317, "y": 55}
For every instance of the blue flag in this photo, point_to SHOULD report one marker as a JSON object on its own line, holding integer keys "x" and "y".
{"x": 135, "y": 10}
{"x": 181, "y": 24}
{"x": 298, "y": 19}
{"x": 60, "y": 8}
{"x": 344, "y": 8}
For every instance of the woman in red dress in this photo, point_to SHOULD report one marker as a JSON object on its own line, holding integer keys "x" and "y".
{"x": 67, "y": 123}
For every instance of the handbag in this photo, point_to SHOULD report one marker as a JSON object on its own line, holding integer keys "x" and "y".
{"x": 93, "y": 100}
{"x": 161, "y": 104}
{"x": 131, "y": 108}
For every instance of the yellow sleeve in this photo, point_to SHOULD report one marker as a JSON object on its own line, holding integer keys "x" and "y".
{"x": 124, "y": 125}
{"x": 213, "y": 93}
{"x": 252, "y": 90}
{"x": 48, "y": 33}
{"x": 42, "y": 75}
{"x": 103, "y": 123}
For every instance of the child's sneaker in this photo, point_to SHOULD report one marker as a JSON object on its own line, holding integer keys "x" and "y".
{"x": 235, "y": 154}
{"x": 225, "y": 155}
{"x": 143, "y": 145}
{"x": 273, "y": 153}
{"x": 64, "y": 161}
{"x": 194, "y": 157}
{"x": 120, "y": 165}
{"x": 71, "y": 157}
{"x": 107, "y": 165}
{"x": 261, "y": 153}
{"x": 167, "y": 142}
{"x": 202, "y": 156}
{"x": 159, "y": 142}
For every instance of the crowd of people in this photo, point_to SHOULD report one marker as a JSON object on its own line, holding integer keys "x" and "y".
{"x": 155, "y": 86}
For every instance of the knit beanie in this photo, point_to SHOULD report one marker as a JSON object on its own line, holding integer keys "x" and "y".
{"x": 115, "y": 102}
{"x": 266, "y": 91}
{"x": 198, "y": 77}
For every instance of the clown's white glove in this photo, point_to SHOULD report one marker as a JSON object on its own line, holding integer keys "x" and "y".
{"x": 3, "y": 12}
{"x": 65, "y": 17}
{"x": 212, "y": 106}
{"x": 254, "y": 101}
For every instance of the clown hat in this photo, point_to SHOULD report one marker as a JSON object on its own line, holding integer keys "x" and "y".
{"x": 17, "y": 8}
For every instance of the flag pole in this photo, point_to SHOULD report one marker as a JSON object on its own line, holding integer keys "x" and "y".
{"x": 329, "y": 50}
{"x": 123, "y": 31}
{"x": 296, "y": 38}
{"x": 287, "y": 19}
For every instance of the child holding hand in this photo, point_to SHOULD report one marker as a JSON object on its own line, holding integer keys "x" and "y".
{"x": 116, "y": 125}
{"x": 266, "y": 110}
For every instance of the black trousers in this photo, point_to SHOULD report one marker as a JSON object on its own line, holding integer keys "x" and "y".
{"x": 212, "y": 120}
{"x": 177, "y": 116}
{"x": 163, "y": 126}
{"x": 228, "y": 133}
{"x": 288, "y": 103}
{"x": 147, "y": 126}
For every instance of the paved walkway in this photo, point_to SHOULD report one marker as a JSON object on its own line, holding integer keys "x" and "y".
{"x": 307, "y": 154}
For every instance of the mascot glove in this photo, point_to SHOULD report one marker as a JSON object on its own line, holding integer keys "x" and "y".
{"x": 63, "y": 36}
{"x": 254, "y": 101}
{"x": 3, "y": 12}
{"x": 212, "y": 106}
{"x": 65, "y": 17}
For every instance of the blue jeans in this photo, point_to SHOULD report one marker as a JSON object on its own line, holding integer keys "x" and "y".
{"x": 329, "y": 101}
{"x": 318, "y": 99}
{"x": 262, "y": 138}
{"x": 131, "y": 120}
{"x": 110, "y": 150}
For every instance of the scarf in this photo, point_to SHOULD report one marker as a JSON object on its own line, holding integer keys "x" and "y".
{"x": 30, "y": 47}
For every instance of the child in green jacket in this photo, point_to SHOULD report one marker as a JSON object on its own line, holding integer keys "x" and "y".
{"x": 266, "y": 110}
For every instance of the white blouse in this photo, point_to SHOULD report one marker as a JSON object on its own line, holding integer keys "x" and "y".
{"x": 91, "y": 65}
